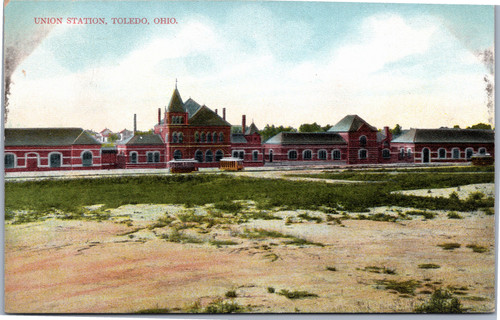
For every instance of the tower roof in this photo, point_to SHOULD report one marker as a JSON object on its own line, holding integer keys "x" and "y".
{"x": 350, "y": 123}
{"x": 48, "y": 137}
{"x": 176, "y": 104}
{"x": 206, "y": 117}
{"x": 252, "y": 129}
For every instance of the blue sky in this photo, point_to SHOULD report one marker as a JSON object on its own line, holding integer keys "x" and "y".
{"x": 277, "y": 62}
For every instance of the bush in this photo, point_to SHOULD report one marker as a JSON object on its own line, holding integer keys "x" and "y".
{"x": 297, "y": 294}
{"x": 220, "y": 306}
{"x": 441, "y": 301}
{"x": 231, "y": 294}
{"x": 425, "y": 214}
{"x": 331, "y": 268}
{"x": 429, "y": 266}
{"x": 476, "y": 248}
{"x": 229, "y": 206}
{"x": 404, "y": 287}
{"x": 449, "y": 245}
{"x": 270, "y": 289}
{"x": 454, "y": 215}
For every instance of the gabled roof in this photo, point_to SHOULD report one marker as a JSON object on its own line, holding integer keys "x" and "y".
{"x": 176, "y": 104}
{"x": 287, "y": 138}
{"x": 252, "y": 129}
{"x": 191, "y": 107}
{"x": 446, "y": 135}
{"x": 206, "y": 117}
{"x": 48, "y": 137}
{"x": 143, "y": 139}
{"x": 238, "y": 138}
{"x": 350, "y": 123}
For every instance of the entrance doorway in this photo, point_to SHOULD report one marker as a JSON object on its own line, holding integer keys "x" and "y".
{"x": 426, "y": 155}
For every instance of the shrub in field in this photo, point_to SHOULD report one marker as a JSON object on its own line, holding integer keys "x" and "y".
{"x": 375, "y": 269}
{"x": 229, "y": 206}
{"x": 454, "y": 215}
{"x": 441, "y": 301}
{"x": 449, "y": 245}
{"x": 489, "y": 211}
{"x": 296, "y": 294}
{"x": 404, "y": 287}
{"x": 477, "y": 248}
{"x": 270, "y": 289}
{"x": 231, "y": 294}
{"x": 221, "y": 306}
{"x": 429, "y": 266}
{"x": 425, "y": 214}
{"x": 222, "y": 242}
{"x": 308, "y": 217}
{"x": 331, "y": 268}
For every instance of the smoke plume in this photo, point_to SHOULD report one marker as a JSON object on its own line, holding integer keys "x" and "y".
{"x": 487, "y": 57}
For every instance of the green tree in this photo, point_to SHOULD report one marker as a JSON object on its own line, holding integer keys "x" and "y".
{"x": 480, "y": 126}
{"x": 310, "y": 127}
{"x": 113, "y": 137}
{"x": 456, "y": 126}
{"x": 396, "y": 131}
{"x": 271, "y": 130}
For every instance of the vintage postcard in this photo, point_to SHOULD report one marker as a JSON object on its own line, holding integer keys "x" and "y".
{"x": 248, "y": 157}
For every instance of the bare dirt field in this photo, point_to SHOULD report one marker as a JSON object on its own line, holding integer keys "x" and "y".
{"x": 135, "y": 261}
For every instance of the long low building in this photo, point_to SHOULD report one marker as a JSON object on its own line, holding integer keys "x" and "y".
{"x": 189, "y": 130}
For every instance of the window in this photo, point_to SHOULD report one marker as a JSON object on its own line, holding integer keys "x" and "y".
{"x": 241, "y": 154}
{"x": 10, "y": 161}
{"x": 203, "y": 137}
{"x": 336, "y": 154}
{"x": 219, "y": 155}
{"x": 322, "y": 154}
{"x": 198, "y": 156}
{"x": 55, "y": 160}
{"x": 209, "y": 157}
{"x": 455, "y": 153}
{"x": 235, "y": 154}
{"x": 221, "y": 137}
{"x": 409, "y": 153}
{"x": 174, "y": 137}
{"x": 402, "y": 153}
{"x": 157, "y": 156}
{"x": 292, "y": 155}
{"x": 215, "y": 137}
{"x": 386, "y": 154}
{"x": 363, "y": 154}
{"x": 196, "y": 137}
{"x": 307, "y": 155}
{"x": 468, "y": 153}
{"x": 181, "y": 120}
{"x": 177, "y": 154}
{"x": 87, "y": 159}
{"x": 133, "y": 157}
{"x": 150, "y": 156}
{"x": 255, "y": 155}
{"x": 362, "y": 141}
{"x": 209, "y": 137}
{"x": 181, "y": 137}
{"x": 442, "y": 153}
{"x": 482, "y": 150}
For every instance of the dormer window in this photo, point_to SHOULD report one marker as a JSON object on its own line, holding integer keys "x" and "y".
{"x": 362, "y": 141}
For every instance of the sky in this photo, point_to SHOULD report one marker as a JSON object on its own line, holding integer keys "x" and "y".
{"x": 281, "y": 63}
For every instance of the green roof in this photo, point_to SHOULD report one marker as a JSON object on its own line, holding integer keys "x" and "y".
{"x": 252, "y": 129}
{"x": 48, "y": 137}
{"x": 176, "y": 104}
{"x": 307, "y": 138}
{"x": 206, "y": 117}
{"x": 144, "y": 139}
{"x": 191, "y": 107}
{"x": 350, "y": 123}
{"x": 445, "y": 135}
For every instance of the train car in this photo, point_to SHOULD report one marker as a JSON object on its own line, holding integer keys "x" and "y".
{"x": 231, "y": 164}
{"x": 182, "y": 165}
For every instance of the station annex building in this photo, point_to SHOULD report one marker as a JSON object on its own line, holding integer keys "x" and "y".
{"x": 187, "y": 130}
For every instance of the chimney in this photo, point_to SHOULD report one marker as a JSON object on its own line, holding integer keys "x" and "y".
{"x": 224, "y": 113}
{"x": 216, "y": 112}
{"x": 159, "y": 115}
{"x": 243, "y": 123}
{"x": 387, "y": 133}
{"x": 135, "y": 123}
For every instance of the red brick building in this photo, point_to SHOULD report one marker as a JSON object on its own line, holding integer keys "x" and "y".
{"x": 42, "y": 149}
{"x": 248, "y": 145}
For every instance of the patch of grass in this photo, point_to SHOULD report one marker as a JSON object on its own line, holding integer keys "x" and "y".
{"x": 161, "y": 222}
{"x": 297, "y": 294}
{"x": 404, "y": 287}
{"x": 272, "y": 256}
{"x": 303, "y": 242}
{"x": 262, "y": 215}
{"x": 308, "y": 217}
{"x": 425, "y": 214}
{"x": 441, "y": 301}
{"x": 477, "y": 248}
{"x": 429, "y": 266}
{"x": 270, "y": 289}
{"x": 454, "y": 215}
{"x": 190, "y": 216}
{"x": 488, "y": 211}
{"x": 475, "y": 298}
{"x": 262, "y": 234}
{"x": 178, "y": 237}
{"x": 449, "y": 245}
{"x": 229, "y": 206}
{"x": 375, "y": 269}
{"x": 231, "y": 294}
{"x": 221, "y": 306}
{"x": 222, "y": 242}
{"x": 331, "y": 268}
{"x": 154, "y": 311}
{"x": 377, "y": 217}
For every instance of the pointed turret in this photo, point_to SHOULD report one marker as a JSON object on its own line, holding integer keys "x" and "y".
{"x": 252, "y": 129}
{"x": 176, "y": 105}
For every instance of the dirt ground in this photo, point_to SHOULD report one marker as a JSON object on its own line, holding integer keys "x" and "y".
{"x": 79, "y": 266}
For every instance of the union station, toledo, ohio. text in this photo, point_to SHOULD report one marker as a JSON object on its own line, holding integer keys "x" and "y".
{"x": 53, "y": 20}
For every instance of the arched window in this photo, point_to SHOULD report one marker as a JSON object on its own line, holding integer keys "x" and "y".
{"x": 209, "y": 137}
{"x": 442, "y": 153}
{"x": 455, "y": 153}
{"x": 181, "y": 120}
{"x": 307, "y": 155}
{"x": 215, "y": 136}
{"x": 482, "y": 150}
{"x": 409, "y": 153}
{"x": 174, "y": 137}
{"x": 468, "y": 153}
{"x": 203, "y": 137}
{"x": 87, "y": 159}
{"x": 181, "y": 137}
{"x": 221, "y": 137}
{"x": 133, "y": 157}
{"x": 362, "y": 141}
{"x": 292, "y": 155}
{"x": 255, "y": 155}
{"x": 10, "y": 161}
{"x": 198, "y": 156}
{"x": 209, "y": 157}
{"x": 219, "y": 155}
{"x": 402, "y": 153}
{"x": 386, "y": 154}
{"x": 55, "y": 160}
{"x": 177, "y": 154}
{"x": 336, "y": 154}
{"x": 363, "y": 154}
{"x": 241, "y": 154}
{"x": 196, "y": 137}
{"x": 322, "y": 154}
